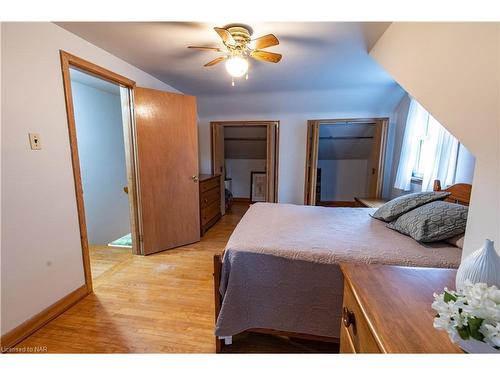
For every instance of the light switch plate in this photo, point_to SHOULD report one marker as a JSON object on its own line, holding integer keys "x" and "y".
{"x": 35, "y": 141}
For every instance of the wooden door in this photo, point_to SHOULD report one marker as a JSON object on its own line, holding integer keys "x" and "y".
{"x": 376, "y": 161}
{"x": 167, "y": 155}
{"x": 218, "y": 164}
{"x": 272, "y": 163}
{"x": 311, "y": 163}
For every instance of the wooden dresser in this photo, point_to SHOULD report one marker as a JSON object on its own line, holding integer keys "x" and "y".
{"x": 210, "y": 196}
{"x": 387, "y": 309}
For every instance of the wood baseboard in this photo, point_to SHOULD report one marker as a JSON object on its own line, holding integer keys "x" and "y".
{"x": 241, "y": 200}
{"x": 336, "y": 203}
{"x": 296, "y": 335}
{"x": 16, "y": 335}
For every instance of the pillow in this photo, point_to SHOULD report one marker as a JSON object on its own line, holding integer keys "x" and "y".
{"x": 457, "y": 241}
{"x": 435, "y": 221}
{"x": 400, "y": 205}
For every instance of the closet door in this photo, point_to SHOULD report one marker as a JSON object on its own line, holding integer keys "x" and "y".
{"x": 218, "y": 160}
{"x": 311, "y": 162}
{"x": 167, "y": 158}
{"x": 375, "y": 172}
{"x": 272, "y": 163}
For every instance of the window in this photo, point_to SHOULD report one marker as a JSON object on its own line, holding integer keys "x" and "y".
{"x": 418, "y": 169}
{"x": 428, "y": 151}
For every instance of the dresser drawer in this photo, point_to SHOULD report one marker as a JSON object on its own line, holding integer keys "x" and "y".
{"x": 209, "y": 184}
{"x": 355, "y": 334}
{"x": 346, "y": 345}
{"x": 210, "y": 201}
{"x": 208, "y": 213}
{"x": 209, "y": 196}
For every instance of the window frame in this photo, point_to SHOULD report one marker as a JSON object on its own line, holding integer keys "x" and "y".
{"x": 415, "y": 176}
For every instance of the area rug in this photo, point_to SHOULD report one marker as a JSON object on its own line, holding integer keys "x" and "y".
{"x": 125, "y": 241}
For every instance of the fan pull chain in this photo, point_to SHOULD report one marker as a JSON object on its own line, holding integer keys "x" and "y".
{"x": 232, "y": 81}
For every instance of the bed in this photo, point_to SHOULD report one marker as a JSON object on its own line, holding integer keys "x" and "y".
{"x": 279, "y": 272}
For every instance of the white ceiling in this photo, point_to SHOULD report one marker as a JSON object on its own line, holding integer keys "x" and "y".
{"x": 316, "y": 55}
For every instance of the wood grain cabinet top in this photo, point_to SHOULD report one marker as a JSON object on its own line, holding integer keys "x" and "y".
{"x": 387, "y": 309}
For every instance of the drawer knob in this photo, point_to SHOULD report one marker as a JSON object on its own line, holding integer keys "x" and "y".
{"x": 347, "y": 317}
{"x": 205, "y": 200}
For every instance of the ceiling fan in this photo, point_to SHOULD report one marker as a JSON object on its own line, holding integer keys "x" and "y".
{"x": 239, "y": 47}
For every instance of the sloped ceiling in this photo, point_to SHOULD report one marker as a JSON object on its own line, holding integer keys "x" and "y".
{"x": 316, "y": 56}
{"x": 245, "y": 142}
{"x": 345, "y": 142}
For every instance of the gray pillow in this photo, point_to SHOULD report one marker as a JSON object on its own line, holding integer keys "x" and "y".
{"x": 433, "y": 221}
{"x": 400, "y": 205}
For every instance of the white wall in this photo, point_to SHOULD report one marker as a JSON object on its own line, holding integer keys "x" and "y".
{"x": 466, "y": 163}
{"x": 101, "y": 150}
{"x": 342, "y": 180}
{"x": 239, "y": 170}
{"x": 41, "y": 251}
{"x": 400, "y": 116}
{"x": 452, "y": 70}
{"x": 292, "y": 109}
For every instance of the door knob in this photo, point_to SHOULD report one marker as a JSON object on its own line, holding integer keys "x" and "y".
{"x": 195, "y": 178}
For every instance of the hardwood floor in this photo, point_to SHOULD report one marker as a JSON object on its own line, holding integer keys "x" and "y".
{"x": 104, "y": 258}
{"x": 161, "y": 303}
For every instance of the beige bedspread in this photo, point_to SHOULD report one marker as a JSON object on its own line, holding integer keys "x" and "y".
{"x": 280, "y": 267}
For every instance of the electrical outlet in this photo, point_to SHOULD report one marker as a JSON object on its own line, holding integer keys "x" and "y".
{"x": 35, "y": 141}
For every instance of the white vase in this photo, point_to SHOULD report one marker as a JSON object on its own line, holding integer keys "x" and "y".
{"x": 482, "y": 266}
{"x": 473, "y": 346}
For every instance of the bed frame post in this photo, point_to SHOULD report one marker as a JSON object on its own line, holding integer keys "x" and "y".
{"x": 217, "y": 297}
{"x": 459, "y": 193}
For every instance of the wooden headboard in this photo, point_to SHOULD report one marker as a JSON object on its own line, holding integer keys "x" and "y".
{"x": 460, "y": 193}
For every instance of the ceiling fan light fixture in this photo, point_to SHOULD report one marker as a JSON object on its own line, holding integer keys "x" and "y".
{"x": 237, "y": 66}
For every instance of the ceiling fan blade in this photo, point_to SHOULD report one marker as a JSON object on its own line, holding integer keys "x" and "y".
{"x": 226, "y": 36}
{"x": 206, "y": 48}
{"x": 215, "y": 61}
{"x": 265, "y": 41}
{"x": 266, "y": 56}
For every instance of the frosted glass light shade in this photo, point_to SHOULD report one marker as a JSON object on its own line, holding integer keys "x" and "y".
{"x": 482, "y": 266}
{"x": 236, "y": 66}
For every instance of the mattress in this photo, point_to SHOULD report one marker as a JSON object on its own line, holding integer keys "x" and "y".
{"x": 280, "y": 266}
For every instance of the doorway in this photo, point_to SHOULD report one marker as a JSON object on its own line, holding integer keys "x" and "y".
{"x": 345, "y": 160}
{"x": 245, "y": 154}
{"x": 100, "y": 123}
{"x": 97, "y": 106}
{"x": 160, "y": 142}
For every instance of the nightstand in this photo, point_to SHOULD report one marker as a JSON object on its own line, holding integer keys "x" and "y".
{"x": 370, "y": 202}
{"x": 387, "y": 309}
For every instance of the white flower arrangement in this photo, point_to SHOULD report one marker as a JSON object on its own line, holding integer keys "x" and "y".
{"x": 472, "y": 314}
